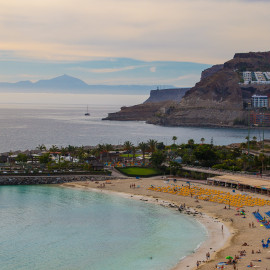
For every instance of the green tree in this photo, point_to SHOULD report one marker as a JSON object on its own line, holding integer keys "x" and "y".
{"x": 41, "y": 147}
{"x": 152, "y": 144}
{"x": 107, "y": 148}
{"x": 21, "y": 157}
{"x": 191, "y": 142}
{"x": 45, "y": 158}
{"x": 133, "y": 149}
{"x": 143, "y": 146}
{"x": 174, "y": 138}
{"x": 157, "y": 159}
{"x": 205, "y": 154}
{"x": 128, "y": 146}
{"x": 174, "y": 167}
{"x": 160, "y": 146}
{"x": 54, "y": 148}
{"x": 202, "y": 140}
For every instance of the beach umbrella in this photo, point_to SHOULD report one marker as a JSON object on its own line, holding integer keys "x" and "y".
{"x": 229, "y": 258}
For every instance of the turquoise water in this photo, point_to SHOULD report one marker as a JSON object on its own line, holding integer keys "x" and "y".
{"x": 46, "y": 227}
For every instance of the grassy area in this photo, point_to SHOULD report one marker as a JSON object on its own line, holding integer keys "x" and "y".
{"x": 130, "y": 155}
{"x": 139, "y": 171}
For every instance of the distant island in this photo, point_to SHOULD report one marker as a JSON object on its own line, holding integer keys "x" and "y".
{"x": 69, "y": 84}
{"x": 233, "y": 94}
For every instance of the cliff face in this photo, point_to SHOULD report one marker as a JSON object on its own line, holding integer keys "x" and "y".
{"x": 175, "y": 94}
{"x": 211, "y": 71}
{"x": 217, "y": 100}
{"x": 141, "y": 112}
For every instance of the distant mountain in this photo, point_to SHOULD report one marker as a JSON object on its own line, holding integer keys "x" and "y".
{"x": 62, "y": 82}
{"x": 69, "y": 84}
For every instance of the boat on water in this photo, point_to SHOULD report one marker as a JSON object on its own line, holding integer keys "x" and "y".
{"x": 87, "y": 113}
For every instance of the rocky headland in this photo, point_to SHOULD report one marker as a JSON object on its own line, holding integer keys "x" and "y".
{"x": 174, "y": 94}
{"x": 217, "y": 100}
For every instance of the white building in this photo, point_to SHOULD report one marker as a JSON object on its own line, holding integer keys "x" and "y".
{"x": 267, "y": 75}
{"x": 259, "y": 101}
{"x": 258, "y": 77}
{"x": 247, "y": 77}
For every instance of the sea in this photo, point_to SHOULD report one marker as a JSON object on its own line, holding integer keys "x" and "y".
{"x": 50, "y": 227}
{"x": 25, "y": 126}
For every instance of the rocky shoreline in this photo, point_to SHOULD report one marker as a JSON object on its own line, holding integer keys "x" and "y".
{"x": 46, "y": 180}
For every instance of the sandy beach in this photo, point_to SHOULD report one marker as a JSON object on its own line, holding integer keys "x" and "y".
{"x": 237, "y": 234}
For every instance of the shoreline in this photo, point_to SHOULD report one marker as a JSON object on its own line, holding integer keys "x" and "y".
{"x": 216, "y": 238}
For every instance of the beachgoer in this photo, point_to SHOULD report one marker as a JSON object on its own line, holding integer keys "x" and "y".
{"x": 198, "y": 264}
{"x": 222, "y": 227}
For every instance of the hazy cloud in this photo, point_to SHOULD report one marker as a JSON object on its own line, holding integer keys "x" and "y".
{"x": 205, "y": 31}
{"x": 110, "y": 70}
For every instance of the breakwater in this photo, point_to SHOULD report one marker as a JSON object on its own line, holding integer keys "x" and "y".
{"x": 54, "y": 179}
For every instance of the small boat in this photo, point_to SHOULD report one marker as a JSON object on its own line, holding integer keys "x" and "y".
{"x": 87, "y": 113}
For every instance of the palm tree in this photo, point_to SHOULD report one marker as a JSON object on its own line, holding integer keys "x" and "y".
{"x": 54, "y": 148}
{"x": 174, "y": 138}
{"x": 41, "y": 147}
{"x": 100, "y": 150}
{"x": 133, "y": 149}
{"x": 107, "y": 149}
{"x": 143, "y": 146}
{"x": 152, "y": 144}
{"x": 128, "y": 146}
{"x": 202, "y": 140}
{"x": 190, "y": 142}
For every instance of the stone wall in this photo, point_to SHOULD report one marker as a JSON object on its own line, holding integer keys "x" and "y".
{"x": 44, "y": 180}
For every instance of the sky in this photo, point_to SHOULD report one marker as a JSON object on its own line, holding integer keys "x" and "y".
{"x": 38, "y": 36}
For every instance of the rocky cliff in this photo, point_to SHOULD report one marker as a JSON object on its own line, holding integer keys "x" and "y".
{"x": 141, "y": 112}
{"x": 174, "y": 94}
{"x": 211, "y": 71}
{"x": 217, "y": 100}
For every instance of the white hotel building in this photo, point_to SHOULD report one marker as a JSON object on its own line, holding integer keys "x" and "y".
{"x": 258, "y": 77}
{"x": 259, "y": 101}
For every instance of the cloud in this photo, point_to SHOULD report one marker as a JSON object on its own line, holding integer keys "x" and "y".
{"x": 206, "y": 31}
{"x": 110, "y": 70}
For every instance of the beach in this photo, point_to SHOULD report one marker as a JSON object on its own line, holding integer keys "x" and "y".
{"x": 228, "y": 231}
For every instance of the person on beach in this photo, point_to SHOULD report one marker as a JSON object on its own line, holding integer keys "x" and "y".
{"x": 222, "y": 227}
{"x": 198, "y": 264}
